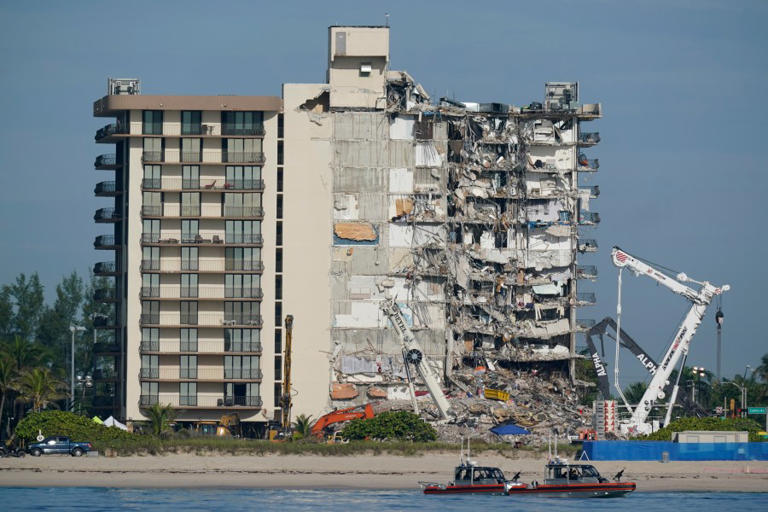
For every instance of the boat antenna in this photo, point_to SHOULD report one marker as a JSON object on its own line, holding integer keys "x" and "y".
{"x": 555, "y": 444}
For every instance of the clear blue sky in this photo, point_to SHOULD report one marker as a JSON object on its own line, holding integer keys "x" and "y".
{"x": 683, "y": 87}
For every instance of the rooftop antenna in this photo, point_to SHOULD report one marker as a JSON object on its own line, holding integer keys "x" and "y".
{"x": 386, "y": 16}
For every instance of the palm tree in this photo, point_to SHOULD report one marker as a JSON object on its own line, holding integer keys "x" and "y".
{"x": 39, "y": 387}
{"x": 160, "y": 417}
{"x": 303, "y": 425}
{"x": 7, "y": 378}
{"x": 634, "y": 392}
{"x": 762, "y": 370}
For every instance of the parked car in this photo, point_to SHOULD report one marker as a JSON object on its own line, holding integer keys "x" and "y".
{"x": 59, "y": 444}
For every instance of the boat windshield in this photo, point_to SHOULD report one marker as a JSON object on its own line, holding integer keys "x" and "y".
{"x": 589, "y": 471}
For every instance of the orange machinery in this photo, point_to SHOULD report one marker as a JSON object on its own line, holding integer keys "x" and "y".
{"x": 339, "y": 415}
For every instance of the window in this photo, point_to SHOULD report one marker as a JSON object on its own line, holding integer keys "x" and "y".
{"x": 243, "y": 231}
{"x": 278, "y": 341}
{"x": 242, "y": 340}
{"x": 188, "y": 340}
{"x": 278, "y": 313}
{"x": 188, "y": 367}
{"x": 189, "y": 258}
{"x": 188, "y": 313}
{"x": 190, "y": 176}
{"x": 150, "y": 258}
{"x": 152, "y": 177}
{"x": 242, "y": 150}
{"x": 190, "y": 204}
{"x": 245, "y": 393}
{"x": 279, "y": 233}
{"x": 280, "y": 126}
{"x": 151, "y": 205}
{"x": 149, "y": 367}
{"x": 242, "y": 123}
{"x": 242, "y": 313}
{"x": 280, "y": 153}
{"x": 278, "y": 260}
{"x": 242, "y": 367}
{"x": 150, "y": 285}
{"x": 242, "y": 205}
{"x": 242, "y": 286}
{"x": 149, "y": 393}
{"x": 189, "y": 285}
{"x": 190, "y": 150}
{"x": 152, "y": 122}
{"x": 278, "y": 388}
{"x": 153, "y": 150}
{"x": 278, "y": 367}
{"x": 189, "y": 231}
{"x": 243, "y": 177}
{"x": 150, "y": 312}
{"x": 279, "y": 206}
{"x": 279, "y": 180}
{"x": 278, "y": 287}
{"x": 188, "y": 393}
{"x": 190, "y": 122}
{"x": 243, "y": 258}
{"x": 150, "y": 230}
{"x": 150, "y": 339}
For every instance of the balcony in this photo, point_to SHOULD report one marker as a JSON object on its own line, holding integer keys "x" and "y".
{"x": 104, "y": 322}
{"x": 587, "y": 245}
{"x": 149, "y": 318}
{"x": 589, "y": 218}
{"x": 150, "y": 346}
{"x": 190, "y": 183}
{"x": 216, "y": 374}
{"x": 201, "y": 402}
{"x": 243, "y": 293}
{"x": 149, "y": 373}
{"x": 188, "y": 346}
{"x": 243, "y": 319}
{"x": 150, "y": 238}
{"x": 188, "y": 318}
{"x": 155, "y": 210}
{"x": 147, "y": 400}
{"x": 105, "y": 268}
{"x": 104, "y": 295}
{"x": 593, "y": 191}
{"x": 242, "y": 157}
{"x": 228, "y": 129}
{"x": 243, "y": 239}
{"x": 106, "y": 161}
{"x": 152, "y": 156}
{"x": 249, "y": 266}
{"x": 589, "y": 138}
{"x": 105, "y": 189}
{"x": 104, "y": 242}
{"x": 242, "y": 374}
{"x": 190, "y": 211}
{"x": 191, "y": 156}
{"x": 586, "y": 272}
{"x": 588, "y": 164}
{"x": 148, "y": 265}
{"x": 244, "y": 185}
{"x": 104, "y": 215}
{"x": 212, "y": 320}
{"x": 243, "y": 211}
{"x": 102, "y": 134}
{"x": 150, "y": 291}
{"x": 585, "y": 324}
{"x": 152, "y": 183}
{"x": 237, "y": 346}
{"x": 586, "y": 299}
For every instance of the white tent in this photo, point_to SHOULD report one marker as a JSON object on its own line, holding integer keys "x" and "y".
{"x": 112, "y": 422}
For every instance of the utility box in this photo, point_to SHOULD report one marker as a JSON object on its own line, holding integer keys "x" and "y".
{"x": 710, "y": 436}
{"x": 561, "y": 95}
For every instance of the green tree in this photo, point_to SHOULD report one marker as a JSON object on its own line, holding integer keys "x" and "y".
{"x": 761, "y": 371}
{"x": 26, "y": 297}
{"x": 39, "y": 387}
{"x": 6, "y": 313}
{"x": 53, "y": 331}
{"x": 634, "y": 392}
{"x": 7, "y": 378}
{"x": 160, "y": 417}
{"x": 400, "y": 425}
{"x": 303, "y": 425}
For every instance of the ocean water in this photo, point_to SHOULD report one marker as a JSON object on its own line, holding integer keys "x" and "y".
{"x": 94, "y": 499}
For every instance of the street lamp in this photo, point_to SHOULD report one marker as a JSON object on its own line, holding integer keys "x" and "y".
{"x": 73, "y": 329}
{"x": 698, "y": 371}
{"x": 84, "y": 383}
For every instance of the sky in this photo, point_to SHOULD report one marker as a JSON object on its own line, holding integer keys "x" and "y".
{"x": 682, "y": 84}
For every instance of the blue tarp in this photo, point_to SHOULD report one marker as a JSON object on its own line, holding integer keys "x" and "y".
{"x": 652, "y": 450}
{"x": 510, "y": 429}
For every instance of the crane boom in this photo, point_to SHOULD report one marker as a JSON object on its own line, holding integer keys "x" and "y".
{"x": 682, "y": 340}
{"x": 415, "y": 354}
{"x": 285, "y": 399}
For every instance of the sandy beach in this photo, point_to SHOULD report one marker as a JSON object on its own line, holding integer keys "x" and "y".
{"x": 363, "y": 472}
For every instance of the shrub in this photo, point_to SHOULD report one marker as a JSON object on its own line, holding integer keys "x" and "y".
{"x": 729, "y": 424}
{"x": 401, "y": 425}
{"x": 63, "y": 423}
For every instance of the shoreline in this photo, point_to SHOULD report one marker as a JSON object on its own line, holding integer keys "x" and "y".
{"x": 379, "y": 472}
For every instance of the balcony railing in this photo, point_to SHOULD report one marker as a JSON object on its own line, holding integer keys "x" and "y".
{"x": 243, "y": 157}
{"x": 191, "y": 129}
{"x": 585, "y": 163}
{"x": 187, "y": 373}
{"x": 190, "y": 211}
{"x": 149, "y": 373}
{"x": 103, "y": 321}
{"x": 106, "y": 160}
{"x": 104, "y": 267}
{"x": 189, "y": 291}
{"x": 244, "y": 185}
{"x": 243, "y": 211}
{"x": 244, "y": 239}
{"x": 588, "y": 245}
{"x": 150, "y": 318}
{"x": 106, "y": 215}
{"x": 105, "y": 188}
{"x": 242, "y": 319}
{"x": 207, "y": 402}
{"x": 190, "y": 265}
{"x": 103, "y": 241}
{"x": 188, "y": 400}
{"x": 152, "y": 156}
{"x": 188, "y": 346}
{"x": 103, "y": 294}
{"x": 241, "y": 401}
{"x": 594, "y": 191}
{"x": 155, "y": 210}
{"x": 150, "y": 291}
{"x": 243, "y": 293}
{"x": 589, "y": 137}
{"x": 586, "y": 298}
{"x": 589, "y": 218}
{"x": 227, "y": 129}
{"x": 244, "y": 265}
{"x": 190, "y": 183}
{"x": 150, "y": 238}
{"x": 150, "y": 346}
{"x": 111, "y": 129}
{"x": 190, "y": 156}
{"x": 188, "y": 318}
{"x": 240, "y": 346}
{"x": 586, "y": 272}
{"x": 147, "y": 400}
{"x": 150, "y": 264}
{"x": 152, "y": 183}
{"x": 240, "y": 373}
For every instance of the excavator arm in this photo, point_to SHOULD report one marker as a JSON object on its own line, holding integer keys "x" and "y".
{"x": 337, "y": 416}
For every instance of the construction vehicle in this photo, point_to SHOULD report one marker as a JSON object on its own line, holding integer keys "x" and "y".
{"x": 285, "y": 398}
{"x": 677, "y": 351}
{"x": 227, "y": 426}
{"x": 414, "y": 354}
{"x": 339, "y": 415}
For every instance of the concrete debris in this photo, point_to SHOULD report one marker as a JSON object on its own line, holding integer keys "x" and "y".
{"x": 355, "y": 231}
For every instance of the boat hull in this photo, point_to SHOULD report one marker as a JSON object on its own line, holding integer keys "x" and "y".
{"x": 587, "y": 490}
{"x": 466, "y": 489}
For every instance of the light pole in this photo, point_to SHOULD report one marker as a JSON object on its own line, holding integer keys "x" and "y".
{"x": 719, "y": 322}
{"x": 744, "y": 391}
{"x": 84, "y": 382}
{"x": 741, "y": 390}
{"x": 73, "y": 329}
{"x": 698, "y": 371}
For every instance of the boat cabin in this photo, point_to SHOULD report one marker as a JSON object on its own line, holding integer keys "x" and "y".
{"x": 562, "y": 472}
{"x": 477, "y": 475}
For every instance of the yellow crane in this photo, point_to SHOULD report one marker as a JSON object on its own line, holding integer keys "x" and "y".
{"x": 285, "y": 399}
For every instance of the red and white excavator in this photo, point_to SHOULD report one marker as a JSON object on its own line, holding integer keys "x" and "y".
{"x": 700, "y": 300}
